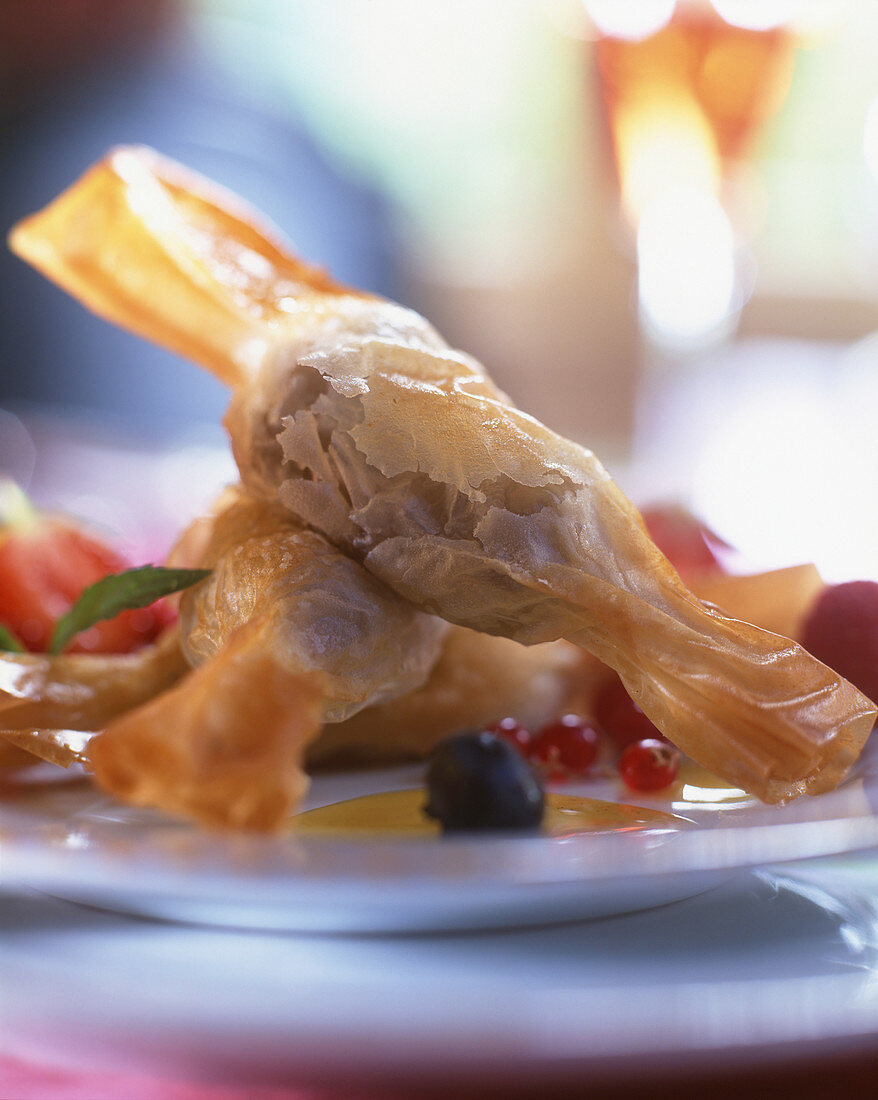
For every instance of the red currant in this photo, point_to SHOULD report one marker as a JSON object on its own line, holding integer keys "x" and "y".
{"x": 511, "y": 730}
{"x": 566, "y": 748}
{"x": 841, "y": 630}
{"x": 621, "y": 718}
{"x": 649, "y": 765}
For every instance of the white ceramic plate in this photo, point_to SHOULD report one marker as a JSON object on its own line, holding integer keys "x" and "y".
{"x": 70, "y": 841}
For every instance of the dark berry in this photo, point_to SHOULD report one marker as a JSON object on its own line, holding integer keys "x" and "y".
{"x": 565, "y": 748}
{"x": 841, "y": 630}
{"x": 620, "y": 717}
{"x": 479, "y": 781}
{"x": 511, "y": 730}
{"x": 649, "y": 765}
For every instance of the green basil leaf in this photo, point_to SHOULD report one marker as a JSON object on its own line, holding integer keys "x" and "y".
{"x": 121, "y": 592}
{"x": 8, "y": 641}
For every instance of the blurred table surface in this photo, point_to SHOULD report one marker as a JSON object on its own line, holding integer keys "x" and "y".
{"x": 92, "y": 1001}
{"x": 774, "y": 444}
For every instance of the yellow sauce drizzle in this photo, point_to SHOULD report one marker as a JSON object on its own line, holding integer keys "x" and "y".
{"x": 401, "y": 813}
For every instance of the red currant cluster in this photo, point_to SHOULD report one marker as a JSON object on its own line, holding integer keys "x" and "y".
{"x": 567, "y": 748}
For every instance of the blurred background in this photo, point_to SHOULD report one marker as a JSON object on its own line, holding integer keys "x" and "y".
{"x": 655, "y": 222}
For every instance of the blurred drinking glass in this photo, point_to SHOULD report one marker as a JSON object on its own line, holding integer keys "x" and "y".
{"x": 686, "y": 86}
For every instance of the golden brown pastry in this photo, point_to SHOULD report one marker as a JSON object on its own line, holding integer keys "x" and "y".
{"x": 478, "y": 679}
{"x": 777, "y": 600}
{"x": 285, "y": 634}
{"x": 225, "y": 745}
{"x": 354, "y": 414}
{"x": 35, "y": 746}
{"x": 12, "y": 757}
{"x": 50, "y": 705}
{"x": 327, "y": 614}
{"x": 84, "y": 691}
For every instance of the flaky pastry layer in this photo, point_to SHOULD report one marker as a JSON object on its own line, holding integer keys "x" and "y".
{"x": 356, "y": 417}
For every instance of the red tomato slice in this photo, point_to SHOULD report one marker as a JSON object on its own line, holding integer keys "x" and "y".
{"x": 44, "y": 566}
